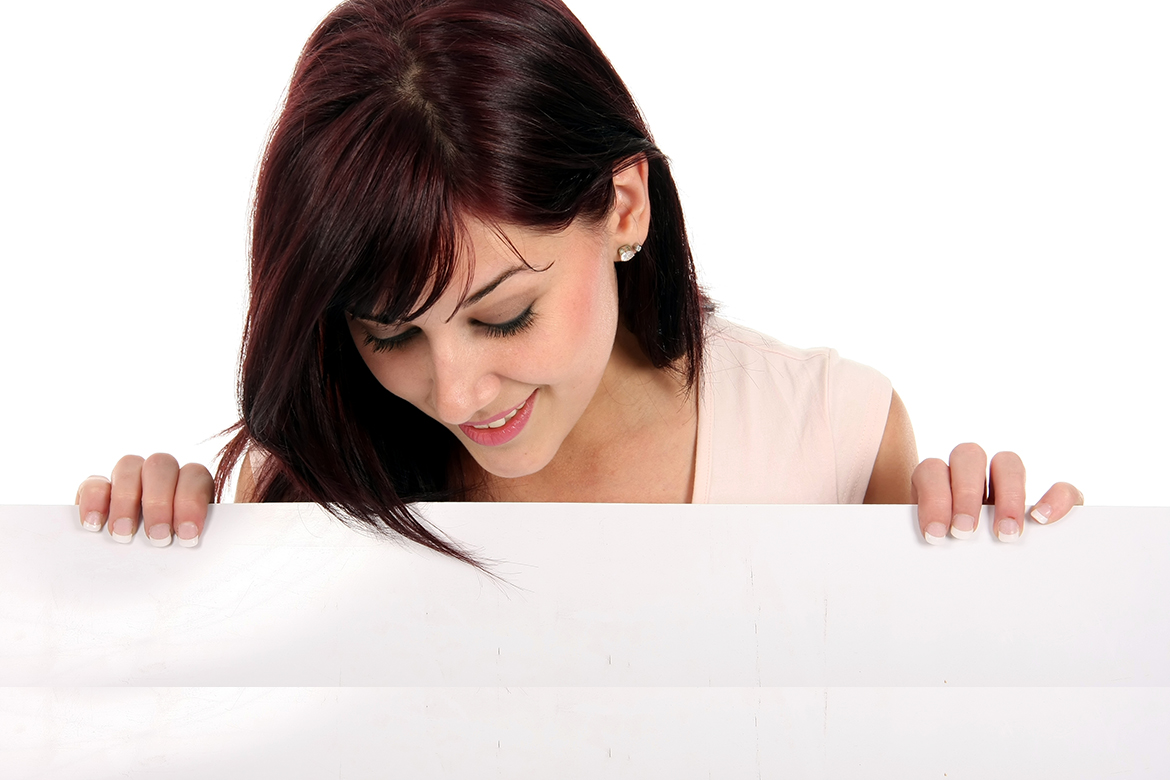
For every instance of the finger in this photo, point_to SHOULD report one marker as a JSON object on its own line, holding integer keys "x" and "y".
{"x": 125, "y": 498}
{"x": 930, "y": 488}
{"x": 1056, "y": 503}
{"x": 968, "y": 482}
{"x": 1007, "y": 479}
{"x": 160, "y": 476}
{"x": 192, "y": 496}
{"x": 93, "y": 502}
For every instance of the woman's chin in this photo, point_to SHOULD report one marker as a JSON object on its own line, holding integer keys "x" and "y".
{"x": 504, "y": 466}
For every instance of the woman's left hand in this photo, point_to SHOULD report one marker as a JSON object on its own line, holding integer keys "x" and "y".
{"x": 950, "y": 496}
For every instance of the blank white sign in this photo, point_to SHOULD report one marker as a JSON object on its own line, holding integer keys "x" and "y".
{"x": 632, "y": 641}
{"x": 590, "y": 595}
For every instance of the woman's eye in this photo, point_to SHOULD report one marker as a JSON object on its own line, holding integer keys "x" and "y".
{"x": 387, "y": 344}
{"x": 495, "y": 330}
{"x": 511, "y": 327}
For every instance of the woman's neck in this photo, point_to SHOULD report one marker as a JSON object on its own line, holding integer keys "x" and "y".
{"x": 634, "y": 443}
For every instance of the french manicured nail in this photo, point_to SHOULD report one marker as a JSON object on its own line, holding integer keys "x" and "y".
{"x": 122, "y": 530}
{"x": 187, "y": 534}
{"x": 1042, "y": 513}
{"x": 159, "y": 534}
{"x": 92, "y": 521}
{"x": 962, "y": 526}
{"x": 935, "y": 533}
{"x": 1008, "y": 530}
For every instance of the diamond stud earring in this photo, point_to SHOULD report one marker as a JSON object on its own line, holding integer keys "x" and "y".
{"x": 626, "y": 252}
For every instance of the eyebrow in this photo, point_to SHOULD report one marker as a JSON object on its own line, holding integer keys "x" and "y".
{"x": 487, "y": 289}
{"x": 474, "y": 298}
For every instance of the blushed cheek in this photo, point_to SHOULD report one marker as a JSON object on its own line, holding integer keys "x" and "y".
{"x": 593, "y": 321}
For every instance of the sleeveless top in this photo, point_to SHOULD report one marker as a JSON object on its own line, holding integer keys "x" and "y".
{"x": 780, "y": 425}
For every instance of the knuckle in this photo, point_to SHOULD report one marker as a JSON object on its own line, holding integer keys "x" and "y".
{"x": 125, "y": 496}
{"x": 161, "y": 460}
{"x": 968, "y": 497}
{"x": 968, "y": 450}
{"x": 1074, "y": 495}
{"x": 1010, "y": 497}
{"x": 931, "y": 467}
{"x": 187, "y": 503}
{"x": 196, "y": 472}
{"x": 934, "y": 506}
{"x": 1007, "y": 458}
{"x": 1008, "y": 472}
{"x": 92, "y": 489}
{"x": 129, "y": 463}
{"x": 190, "y": 508}
{"x": 157, "y": 504}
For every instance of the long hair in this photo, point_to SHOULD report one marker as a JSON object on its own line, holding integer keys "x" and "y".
{"x": 403, "y": 118}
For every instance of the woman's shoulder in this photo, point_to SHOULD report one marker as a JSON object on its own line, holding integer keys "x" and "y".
{"x": 769, "y": 408}
{"x": 724, "y": 337}
{"x": 735, "y": 352}
{"x": 755, "y": 363}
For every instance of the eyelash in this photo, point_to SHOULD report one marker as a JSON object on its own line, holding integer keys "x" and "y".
{"x": 502, "y": 330}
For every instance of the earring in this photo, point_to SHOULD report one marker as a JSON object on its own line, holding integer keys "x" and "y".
{"x": 626, "y": 252}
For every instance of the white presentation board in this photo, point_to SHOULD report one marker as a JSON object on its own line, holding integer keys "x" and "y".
{"x": 590, "y": 595}
{"x": 631, "y": 641}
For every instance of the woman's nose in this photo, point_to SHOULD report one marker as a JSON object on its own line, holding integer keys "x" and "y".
{"x": 462, "y": 383}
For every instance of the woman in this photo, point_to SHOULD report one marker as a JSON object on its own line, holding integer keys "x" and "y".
{"x": 471, "y": 281}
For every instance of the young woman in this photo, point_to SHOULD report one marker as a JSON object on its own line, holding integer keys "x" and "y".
{"x": 471, "y": 280}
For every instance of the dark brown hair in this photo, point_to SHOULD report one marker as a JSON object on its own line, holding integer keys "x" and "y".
{"x": 402, "y": 118}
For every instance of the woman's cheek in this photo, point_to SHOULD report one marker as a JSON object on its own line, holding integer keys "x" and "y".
{"x": 587, "y": 334}
{"x": 401, "y": 380}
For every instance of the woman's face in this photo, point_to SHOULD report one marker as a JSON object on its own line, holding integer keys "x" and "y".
{"x": 511, "y": 368}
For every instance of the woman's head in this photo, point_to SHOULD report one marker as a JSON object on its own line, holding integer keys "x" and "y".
{"x": 410, "y": 129}
{"x": 509, "y": 362}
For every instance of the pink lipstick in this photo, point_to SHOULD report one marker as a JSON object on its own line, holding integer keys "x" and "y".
{"x": 502, "y": 428}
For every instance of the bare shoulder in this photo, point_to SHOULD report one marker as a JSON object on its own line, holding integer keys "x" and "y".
{"x": 889, "y": 483}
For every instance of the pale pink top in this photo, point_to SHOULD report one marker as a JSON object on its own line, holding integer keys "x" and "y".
{"x": 780, "y": 425}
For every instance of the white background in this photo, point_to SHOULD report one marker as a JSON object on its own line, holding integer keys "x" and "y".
{"x": 970, "y": 197}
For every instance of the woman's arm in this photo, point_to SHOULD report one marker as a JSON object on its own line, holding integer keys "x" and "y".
{"x": 889, "y": 483}
{"x": 949, "y": 496}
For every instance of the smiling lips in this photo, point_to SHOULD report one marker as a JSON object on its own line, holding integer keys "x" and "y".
{"x": 502, "y": 429}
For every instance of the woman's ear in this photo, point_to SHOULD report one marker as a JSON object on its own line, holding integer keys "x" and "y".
{"x": 630, "y": 218}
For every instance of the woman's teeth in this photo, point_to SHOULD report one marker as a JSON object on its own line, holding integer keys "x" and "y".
{"x": 500, "y": 422}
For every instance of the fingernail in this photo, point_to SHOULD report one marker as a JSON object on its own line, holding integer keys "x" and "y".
{"x": 962, "y": 526}
{"x": 92, "y": 521}
{"x": 122, "y": 530}
{"x": 188, "y": 534}
{"x": 935, "y": 533}
{"x": 1008, "y": 530}
{"x": 1080, "y": 498}
{"x": 1042, "y": 513}
{"x": 159, "y": 534}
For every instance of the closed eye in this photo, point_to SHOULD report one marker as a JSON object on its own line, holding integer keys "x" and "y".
{"x": 495, "y": 330}
{"x": 385, "y": 345}
{"x": 512, "y": 326}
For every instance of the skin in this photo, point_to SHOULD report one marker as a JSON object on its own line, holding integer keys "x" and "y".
{"x": 605, "y": 423}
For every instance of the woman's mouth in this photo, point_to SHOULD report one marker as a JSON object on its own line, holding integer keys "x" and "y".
{"x": 503, "y": 429}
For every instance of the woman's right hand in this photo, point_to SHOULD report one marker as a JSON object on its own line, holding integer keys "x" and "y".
{"x": 170, "y": 500}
